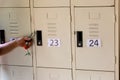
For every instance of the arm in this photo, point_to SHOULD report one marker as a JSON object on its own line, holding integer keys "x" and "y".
{"x": 9, "y": 46}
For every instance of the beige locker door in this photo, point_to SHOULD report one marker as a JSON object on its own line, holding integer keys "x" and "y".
{"x": 55, "y": 26}
{"x": 51, "y": 3}
{"x": 6, "y": 73}
{"x": 97, "y": 25}
{"x": 17, "y": 73}
{"x": 53, "y": 74}
{"x": 94, "y": 2}
{"x": 14, "y": 3}
{"x": 22, "y": 73}
{"x": 16, "y": 23}
{"x": 82, "y": 75}
{"x": 94, "y": 75}
{"x": 102, "y": 76}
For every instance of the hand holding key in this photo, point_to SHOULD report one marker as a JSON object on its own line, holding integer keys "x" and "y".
{"x": 28, "y": 42}
{"x": 25, "y": 42}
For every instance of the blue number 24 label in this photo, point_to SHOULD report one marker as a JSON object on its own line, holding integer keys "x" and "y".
{"x": 93, "y": 43}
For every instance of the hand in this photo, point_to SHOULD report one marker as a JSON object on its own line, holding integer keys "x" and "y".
{"x": 25, "y": 42}
{"x": 28, "y": 42}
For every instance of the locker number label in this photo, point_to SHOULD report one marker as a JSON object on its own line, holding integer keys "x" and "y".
{"x": 93, "y": 43}
{"x": 53, "y": 42}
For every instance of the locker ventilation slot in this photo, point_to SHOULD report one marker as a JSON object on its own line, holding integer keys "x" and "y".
{"x": 52, "y": 29}
{"x": 14, "y": 28}
{"x": 94, "y": 31}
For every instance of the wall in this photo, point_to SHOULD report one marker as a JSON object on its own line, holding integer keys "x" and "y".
{"x": 73, "y": 40}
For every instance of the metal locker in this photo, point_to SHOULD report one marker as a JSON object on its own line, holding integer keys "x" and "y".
{"x": 51, "y": 3}
{"x": 14, "y": 3}
{"x": 94, "y": 75}
{"x": 53, "y": 74}
{"x": 97, "y": 26}
{"x": 16, "y": 23}
{"x": 22, "y": 73}
{"x": 94, "y": 2}
{"x": 54, "y": 26}
{"x": 102, "y": 76}
{"x": 83, "y": 75}
{"x": 6, "y": 73}
{"x": 16, "y": 73}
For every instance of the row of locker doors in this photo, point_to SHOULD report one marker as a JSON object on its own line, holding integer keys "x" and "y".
{"x": 26, "y": 73}
{"x": 95, "y": 53}
{"x": 55, "y": 3}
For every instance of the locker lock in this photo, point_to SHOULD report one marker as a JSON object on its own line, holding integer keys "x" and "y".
{"x": 2, "y": 36}
{"x": 79, "y": 39}
{"x": 39, "y": 38}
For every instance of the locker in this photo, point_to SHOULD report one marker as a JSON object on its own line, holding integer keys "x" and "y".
{"x": 94, "y": 2}
{"x": 53, "y": 74}
{"x": 16, "y": 23}
{"x": 14, "y": 3}
{"x": 83, "y": 75}
{"x": 97, "y": 26}
{"x": 54, "y": 24}
{"x": 6, "y": 73}
{"x": 102, "y": 76}
{"x": 16, "y": 73}
{"x": 94, "y": 75}
{"x": 51, "y": 3}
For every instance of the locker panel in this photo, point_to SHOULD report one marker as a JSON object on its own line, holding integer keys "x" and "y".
{"x": 53, "y": 74}
{"x": 102, "y": 76}
{"x": 6, "y": 73}
{"x": 94, "y": 2}
{"x": 54, "y": 24}
{"x": 16, "y": 23}
{"x": 51, "y": 3}
{"x": 14, "y": 3}
{"x": 91, "y": 75}
{"x": 84, "y": 75}
{"x": 97, "y": 25}
{"x": 16, "y": 73}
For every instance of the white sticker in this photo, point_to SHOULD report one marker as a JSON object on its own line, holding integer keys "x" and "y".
{"x": 54, "y": 42}
{"x": 93, "y": 43}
